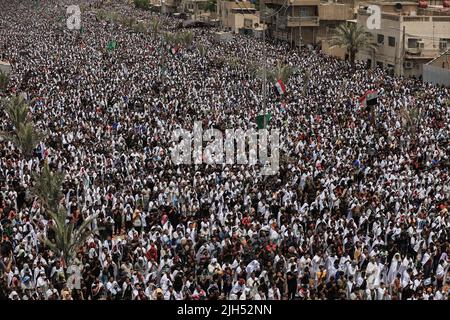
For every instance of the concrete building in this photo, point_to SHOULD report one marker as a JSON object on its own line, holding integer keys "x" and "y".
{"x": 304, "y": 21}
{"x": 5, "y": 67}
{"x": 237, "y": 15}
{"x": 193, "y": 8}
{"x": 437, "y": 71}
{"x": 171, "y": 6}
{"x": 410, "y": 36}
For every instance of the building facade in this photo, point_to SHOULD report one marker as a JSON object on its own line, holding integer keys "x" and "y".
{"x": 409, "y": 36}
{"x": 304, "y": 21}
{"x": 237, "y": 15}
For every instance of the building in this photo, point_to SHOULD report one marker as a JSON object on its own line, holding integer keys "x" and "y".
{"x": 437, "y": 71}
{"x": 171, "y": 6}
{"x": 5, "y": 67}
{"x": 237, "y": 15}
{"x": 304, "y": 21}
{"x": 194, "y": 8}
{"x": 410, "y": 35}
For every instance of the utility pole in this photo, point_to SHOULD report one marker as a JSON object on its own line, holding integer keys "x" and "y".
{"x": 403, "y": 51}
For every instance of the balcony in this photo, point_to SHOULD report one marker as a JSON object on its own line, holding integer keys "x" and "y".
{"x": 267, "y": 20}
{"x": 294, "y": 2}
{"x": 335, "y": 11}
{"x": 308, "y": 21}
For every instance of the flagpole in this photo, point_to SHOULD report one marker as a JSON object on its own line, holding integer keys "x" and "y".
{"x": 264, "y": 89}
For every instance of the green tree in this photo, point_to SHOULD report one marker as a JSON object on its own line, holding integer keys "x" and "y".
{"x": 352, "y": 38}
{"x": 154, "y": 25}
{"x": 280, "y": 71}
{"x": 171, "y": 38}
{"x": 202, "y": 50}
{"x": 233, "y": 62}
{"x": 140, "y": 27}
{"x": 68, "y": 237}
{"x": 186, "y": 38}
{"x": 24, "y": 136}
{"x": 411, "y": 118}
{"x": 17, "y": 110}
{"x": 4, "y": 81}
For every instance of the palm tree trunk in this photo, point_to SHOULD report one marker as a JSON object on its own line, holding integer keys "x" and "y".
{"x": 352, "y": 57}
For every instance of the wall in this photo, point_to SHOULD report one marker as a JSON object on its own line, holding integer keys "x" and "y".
{"x": 436, "y": 75}
{"x": 334, "y": 52}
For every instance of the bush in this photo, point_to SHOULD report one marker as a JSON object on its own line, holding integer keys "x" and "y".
{"x": 142, "y": 4}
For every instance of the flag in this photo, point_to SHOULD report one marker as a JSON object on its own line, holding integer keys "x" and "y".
{"x": 260, "y": 119}
{"x": 370, "y": 98}
{"x": 174, "y": 50}
{"x": 280, "y": 88}
{"x": 111, "y": 45}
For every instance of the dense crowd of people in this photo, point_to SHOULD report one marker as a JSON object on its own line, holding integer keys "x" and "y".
{"x": 358, "y": 209}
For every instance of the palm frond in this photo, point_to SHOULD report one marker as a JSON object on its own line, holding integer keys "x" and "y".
{"x": 201, "y": 50}
{"x": 26, "y": 138}
{"x": 352, "y": 38}
{"x": 17, "y": 110}
{"x": 68, "y": 237}
{"x": 4, "y": 80}
{"x": 47, "y": 188}
{"x": 280, "y": 71}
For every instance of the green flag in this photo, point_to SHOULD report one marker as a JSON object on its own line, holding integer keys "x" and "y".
{"x": 111, "y": 45}
{"x": 260, "y": 120}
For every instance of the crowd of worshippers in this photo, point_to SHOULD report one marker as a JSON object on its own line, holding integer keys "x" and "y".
{"x": 358, "y": 209}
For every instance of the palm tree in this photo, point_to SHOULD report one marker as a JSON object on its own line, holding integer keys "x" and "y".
{"x": 306, "y": 80}
{"x": 283, "y": 72}
{"x": 68, "y": 237}
{"x": 4, "y": 80}
{"x": 154, "y": 27}
{"x": 169, "y": 38}
{"x": 256, "y": 70}
{"x": 26, "y": 138}
{"x": 233, "y": 62}
{"x": 201, "y": 50}
{"x": 47, "y": 188}
{"x": 140, "y": 27}
{"x": 410, "y": 119}
{"x": 186, "y": 38}
{"x": 353, "y": 38}
{"x": 17, "y": 111}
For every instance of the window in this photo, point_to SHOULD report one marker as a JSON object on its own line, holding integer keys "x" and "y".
{"x": 303, "y": 12}
{"x": 380, "y": 64}
{"x": 380, "y": 39}
{"x": 391, "y": 41}
{"x": 412, "y": 42}
{"x": 444, "y": 44}
{"x": 248, "y": 23}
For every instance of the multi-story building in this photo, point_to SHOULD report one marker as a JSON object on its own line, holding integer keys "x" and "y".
{"x": 171, "y": 6}
{"x": 193, "y": 7}
{"x": 304, "y": 21}
{"x": 410, "y": 35}
{"x": 236, "y": 15}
